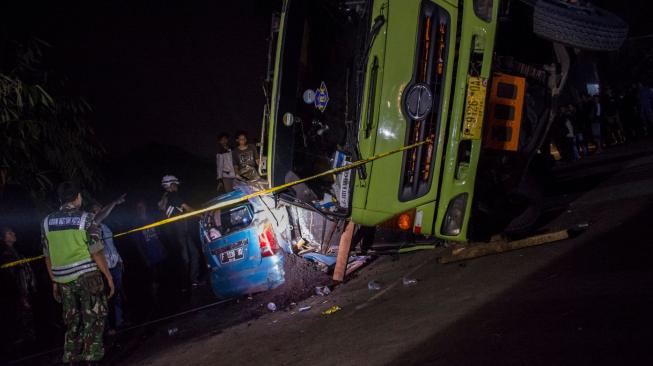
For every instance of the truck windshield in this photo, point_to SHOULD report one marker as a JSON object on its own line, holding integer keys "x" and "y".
{"x": 321, "y": 40}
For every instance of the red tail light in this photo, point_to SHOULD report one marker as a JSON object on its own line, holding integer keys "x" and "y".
{"x": 268, "y": 242}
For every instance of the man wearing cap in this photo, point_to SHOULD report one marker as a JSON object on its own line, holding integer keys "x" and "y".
{"x": 172, "y": 204}
{"x": 75, "y": 262}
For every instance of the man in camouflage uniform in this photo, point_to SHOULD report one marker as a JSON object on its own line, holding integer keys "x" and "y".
{"x": 75, "y": 260}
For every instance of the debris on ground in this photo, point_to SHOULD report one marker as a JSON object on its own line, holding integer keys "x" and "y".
{"x": 470, "y": 251}
{"x": 305, "y": 308}
{"x": 373, "y": 286}
{"x": 331, "y": 310}
{"x": 327, "y": 260}
{"x": 322, "y": 290}
{"x": 272, "y": 306}
{"x": 173, "y": 331}
{"x": 356, "y": 262}
{"x": 409, "y": 281}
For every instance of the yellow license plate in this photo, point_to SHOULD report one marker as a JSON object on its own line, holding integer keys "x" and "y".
{"x": 474, "y": 108}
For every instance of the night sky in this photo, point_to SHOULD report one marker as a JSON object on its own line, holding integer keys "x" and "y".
{"x": 155, "y": 71}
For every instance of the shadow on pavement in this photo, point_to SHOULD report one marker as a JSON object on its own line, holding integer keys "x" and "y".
{"x": 591, "y": 306}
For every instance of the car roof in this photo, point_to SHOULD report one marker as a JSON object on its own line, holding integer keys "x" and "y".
{"x": 235, "y": 194}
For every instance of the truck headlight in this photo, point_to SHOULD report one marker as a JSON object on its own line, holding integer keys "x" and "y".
{"x": 483, "y": 9}
{"x": 453, "y": 218}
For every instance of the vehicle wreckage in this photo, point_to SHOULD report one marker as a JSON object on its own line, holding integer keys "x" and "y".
{"x": 480, "y": 80}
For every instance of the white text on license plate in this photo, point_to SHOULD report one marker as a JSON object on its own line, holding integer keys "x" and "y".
{"x": 232, "y": 255}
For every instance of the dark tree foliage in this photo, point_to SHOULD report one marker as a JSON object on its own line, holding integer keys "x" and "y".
{"x": 44, "y": 131}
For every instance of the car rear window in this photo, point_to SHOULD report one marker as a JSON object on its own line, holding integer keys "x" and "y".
{"x": 233, "y": 219}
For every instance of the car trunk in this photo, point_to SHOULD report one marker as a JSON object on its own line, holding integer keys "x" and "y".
{"x": 232, "y": 239}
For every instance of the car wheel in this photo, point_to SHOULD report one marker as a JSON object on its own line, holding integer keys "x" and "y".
{"x": 579, "y": 25}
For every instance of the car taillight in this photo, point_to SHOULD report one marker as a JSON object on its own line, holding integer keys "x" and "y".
{"x": 268, "y": 242}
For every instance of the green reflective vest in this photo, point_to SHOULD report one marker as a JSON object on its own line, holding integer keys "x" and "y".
{"x": 67, "y": 243}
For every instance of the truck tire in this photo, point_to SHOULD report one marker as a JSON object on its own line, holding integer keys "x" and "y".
{"x": 527, "y": 199}
{"x": 581, "y": 26}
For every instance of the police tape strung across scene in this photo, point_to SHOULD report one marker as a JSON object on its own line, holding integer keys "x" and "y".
{"x": 224, "y": 204}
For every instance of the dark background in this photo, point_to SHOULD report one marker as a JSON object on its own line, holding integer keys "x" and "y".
{"x": 176, "y": 73}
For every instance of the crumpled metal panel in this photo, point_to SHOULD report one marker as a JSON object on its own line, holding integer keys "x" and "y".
{"x": 266, "y": 210}
{"x": 315, "y": 228}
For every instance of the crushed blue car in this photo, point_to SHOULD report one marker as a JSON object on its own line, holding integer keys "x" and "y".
{"x": 245, "y": 245}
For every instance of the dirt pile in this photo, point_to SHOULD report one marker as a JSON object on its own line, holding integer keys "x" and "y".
{"x": 301, "y": 276}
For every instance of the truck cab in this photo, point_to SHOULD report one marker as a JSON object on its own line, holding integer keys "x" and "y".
{"x": 354, "y": 79}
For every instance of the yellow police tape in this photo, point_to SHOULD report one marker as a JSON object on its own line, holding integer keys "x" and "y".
{"x": 20, "y": 261}
{"x": 232, "y": 202}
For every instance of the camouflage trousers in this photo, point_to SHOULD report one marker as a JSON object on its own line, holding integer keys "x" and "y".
{"x": 84, "y": 312}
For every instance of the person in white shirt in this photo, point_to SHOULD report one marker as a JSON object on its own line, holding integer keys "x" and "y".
{"x": 224, "y": 165}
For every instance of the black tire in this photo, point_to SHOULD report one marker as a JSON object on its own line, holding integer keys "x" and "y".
{"x": 527, "y": 202}
{"x": 581, "y": 26}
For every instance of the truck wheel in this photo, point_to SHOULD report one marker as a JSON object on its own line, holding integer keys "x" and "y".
{"x": 527, "y": 200}
{"x": 581, "y": 26}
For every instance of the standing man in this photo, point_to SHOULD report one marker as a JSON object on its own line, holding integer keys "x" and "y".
{"x": 578, "y": 124}
{"x": 645, "y": 107}
{"x": 615, "y": 130}
{"x": 151, "y": 249}
{"x": 114, "y": 261}
{"x": 225, "y": 165}
{"x": 75, "y": 262}
{"x": 18, "y": 288}
{"x": 596, "y": 118}
{"x": 172, "y": 204}
{"x": 245, "y": 158}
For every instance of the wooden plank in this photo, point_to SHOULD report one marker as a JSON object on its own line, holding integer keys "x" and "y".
{"x": 343, "y": 252}
{"x": 500, "y": 246}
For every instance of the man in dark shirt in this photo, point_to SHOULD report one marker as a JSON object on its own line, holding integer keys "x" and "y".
{"x": 152, "y": 251}
{"x": 611, "y": 117}
{"x": 18, "y": 287}
{"x": 173, "y": 204}
{"x": 245, "y": 158}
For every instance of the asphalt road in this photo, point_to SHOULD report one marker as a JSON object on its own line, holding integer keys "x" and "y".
{"x": 582, "y": 301}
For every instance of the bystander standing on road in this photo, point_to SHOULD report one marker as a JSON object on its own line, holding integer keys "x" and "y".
{"x": 567, "y": 136}
{"x": 225, "y": 165}
{"x": 579, "y": 128}
{"x": 151, "y": 249}
{"x": 614, "y": 129}
{"x": 75, "y": 261}
{"x": 245, "y": 159}
{"x": 629, "y": 113}
{"x": 173, "y": 204}
{"x": 584, "y": 116}
{"x": 18, "y": 287}
{"x": 115, "y": 263}
{"x": 645, "y": 106}
{"x": 596, "y": 116}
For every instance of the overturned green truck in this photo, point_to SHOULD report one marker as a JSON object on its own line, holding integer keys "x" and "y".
{"x": 476, "y": 80}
